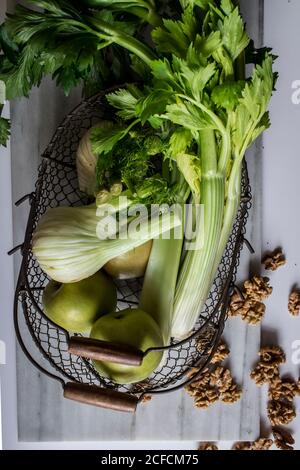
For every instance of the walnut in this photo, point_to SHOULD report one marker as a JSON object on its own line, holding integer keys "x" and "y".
{"x": 242, "y": 446}
{"x": 298, "y": 387}
{"x": 210, "y": 387}
{"x": 262, "y": 444}
{"x": 236, "y": 305}
{"x": 221, "y": 353}
{"x": 146, "y": 398}
{"x": 203, "y": 393}
{"x": 253, "y": 311}
{"x": 206, "y": 398}
{"x": 283, "y": 445}
{"x": 208, "y": 446}
{"x": 203, "y": 342}
{"x": 202, "y": 381}
{"x": 281, "y": 412}
{"x": 272, "y": 355}
{"x": 258, "y": 288}
{"x": 232, "y": 395}
{"x": 283, "y": 439}
{"x": 283, "y": 389}
{"x": 294, "y": 303}
{"x": 221, "y": 378}
{"x": 274, "y": 260}
{"x": 264, "y": 374}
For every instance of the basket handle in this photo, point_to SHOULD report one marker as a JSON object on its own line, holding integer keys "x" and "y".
{"x": 101, "y": 397}
{"x": 102, "y": 351}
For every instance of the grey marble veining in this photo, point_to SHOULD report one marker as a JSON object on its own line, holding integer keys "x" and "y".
{"x": 43, "y": 414}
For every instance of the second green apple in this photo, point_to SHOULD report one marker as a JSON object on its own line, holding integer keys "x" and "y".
{"x": 75, "y": 307}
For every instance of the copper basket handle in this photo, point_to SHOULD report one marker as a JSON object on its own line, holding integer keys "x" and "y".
{"x": 101, "y": 397}
{"x": 102, "y": 351}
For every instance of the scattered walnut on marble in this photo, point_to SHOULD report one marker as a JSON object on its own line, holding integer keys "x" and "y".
{"x": 258, "y": 288}
{"x": 294, "y": 303}
{"x": 204, "y": 341}
{"x": 236, "y": 305}
{"x": 262, "y": 375}
{"x": 260, "y": 444}
{"x": 211, "y": 387}
{"x": 146, "y": 398}
{"x": 253, "y": 311}
{"x": 281, "y": 412}
{"x": 222, "y": 353}
{"x": 272, "y": 355}
{"x": 274, "y": 260}
{"x": 250, "y": 307}
{"x": 283, "y": 389}
{"x": 232, "y": 395}
{"x": 283, "y": 439}
{"x": 221, "y": 378}
{"x": 206, "y": 397}
{"x": 298, "y": 387}
{"x": 267, "y": 368}
{"x": 208, "y": 446}
{"x": 242, "y": 446}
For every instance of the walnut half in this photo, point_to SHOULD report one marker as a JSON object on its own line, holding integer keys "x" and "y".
{"x": 274, "y": 260}
{"x": 294, "y": 303}
{"x": 281, "y": 412}
{"x": 283, "y": 439}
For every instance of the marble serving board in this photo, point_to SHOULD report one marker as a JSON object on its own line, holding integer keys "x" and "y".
{"x": 43, "y": 413}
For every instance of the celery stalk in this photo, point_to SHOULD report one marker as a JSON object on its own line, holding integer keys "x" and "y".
{"x": 158, "y": 292}
{"x": 196, "y": 275}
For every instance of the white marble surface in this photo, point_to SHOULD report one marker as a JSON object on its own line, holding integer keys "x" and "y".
{"x": 43, "y": 415}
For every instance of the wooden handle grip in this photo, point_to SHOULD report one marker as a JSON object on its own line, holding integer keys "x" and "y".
{"x": 103, "y": 351}
{"x": 102, "y": 397}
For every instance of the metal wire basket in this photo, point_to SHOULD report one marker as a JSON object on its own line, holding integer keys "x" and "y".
{"x": 57, "y": 185}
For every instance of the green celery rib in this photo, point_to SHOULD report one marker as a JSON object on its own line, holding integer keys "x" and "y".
{"x": 158, "y": 292}
{"x": 195, "y": 278}
{"x": 231, "y": 209}
{"x": 115, "y": 35}
{"x": 196, "y": 275}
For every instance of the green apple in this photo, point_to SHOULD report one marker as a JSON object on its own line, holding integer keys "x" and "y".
{"x": 133, "y": 327}
{"x": 75, "y": 307}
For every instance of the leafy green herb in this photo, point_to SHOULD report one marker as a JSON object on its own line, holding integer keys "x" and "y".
{"x": 4, "y": 130}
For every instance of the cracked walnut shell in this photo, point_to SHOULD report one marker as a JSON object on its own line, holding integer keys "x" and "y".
{"x": 274, "y": 260}
{"x": 258, "y": 288}
{"x": 294, "y": 303}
